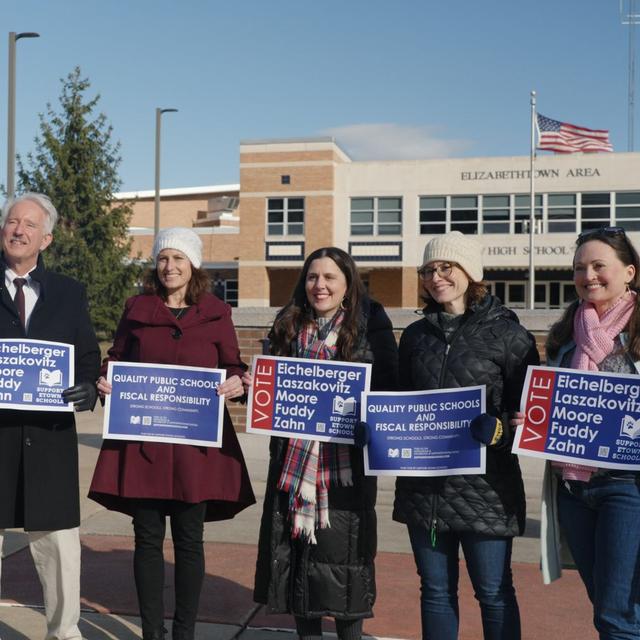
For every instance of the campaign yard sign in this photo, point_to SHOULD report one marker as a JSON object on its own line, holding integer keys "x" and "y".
{"x": 164, "y": 403}
{"x": 583, "y": 417}
{"x": 424, "y": 433}
{"x": 305, "y": 398}
{"x": 33, "y": 374}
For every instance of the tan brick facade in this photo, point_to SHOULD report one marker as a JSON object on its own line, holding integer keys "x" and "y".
{"x": 383, "y": 285}
{"x": 288, "y": 156}
{"x": 303, "y": 179}
{"x": 282, "y": 282}
{"x": 264, "y": 268}
{"x": 254, "y": 286}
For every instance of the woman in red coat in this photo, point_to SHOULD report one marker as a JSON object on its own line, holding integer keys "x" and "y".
{"x": 176, "y": 321}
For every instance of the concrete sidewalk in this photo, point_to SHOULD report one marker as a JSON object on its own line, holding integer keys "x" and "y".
{"x": 227, "y": 611}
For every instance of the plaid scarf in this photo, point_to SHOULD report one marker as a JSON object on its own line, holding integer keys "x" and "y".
{"x": 311, "y": 467}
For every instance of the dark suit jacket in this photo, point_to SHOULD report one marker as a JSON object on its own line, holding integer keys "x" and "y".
{"x": 39, "y": 449}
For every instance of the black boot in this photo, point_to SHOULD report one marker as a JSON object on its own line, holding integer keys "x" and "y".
{"x": 180, "y": 633}
{"x": 158, "y": 634}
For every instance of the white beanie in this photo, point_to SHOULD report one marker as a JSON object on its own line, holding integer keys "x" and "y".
{"x": 456, "y": 247}
{"x": 182, "y": 239}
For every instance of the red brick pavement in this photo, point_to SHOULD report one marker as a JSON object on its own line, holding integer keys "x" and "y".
{"x": 559, "y": 610}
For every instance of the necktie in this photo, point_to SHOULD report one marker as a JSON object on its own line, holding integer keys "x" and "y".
{"x": 19, "y": 299}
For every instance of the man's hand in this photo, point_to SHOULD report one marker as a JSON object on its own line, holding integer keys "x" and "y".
{"x": 82, "y": 395}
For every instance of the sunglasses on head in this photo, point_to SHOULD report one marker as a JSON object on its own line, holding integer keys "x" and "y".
{"x": 606, "y": 232}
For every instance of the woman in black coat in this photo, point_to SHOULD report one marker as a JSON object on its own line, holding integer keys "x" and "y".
{"x": 466, "y": 338}
{"x": 325, "y": 570}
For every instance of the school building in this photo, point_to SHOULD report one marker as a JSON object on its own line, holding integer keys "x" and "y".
{"x": 297, "y": 195}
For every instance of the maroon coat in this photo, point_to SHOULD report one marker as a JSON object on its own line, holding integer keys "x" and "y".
{"x": 203, "y": 337}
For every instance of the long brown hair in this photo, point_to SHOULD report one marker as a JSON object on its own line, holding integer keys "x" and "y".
{"x": 298, "y": 312}
{"x": 199, "y": 284}
{"x": 562, "y": 331}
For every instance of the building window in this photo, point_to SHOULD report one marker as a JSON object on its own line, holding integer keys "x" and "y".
{"x": 541, "y": 295}
{"x": 561, "y": 212}
{"x": 628, "y": 210}
{"x": 285, "y": 216}
{"x": 523, "y": 213}
{"x": 433, "y": 215}
{"x": 596, "y": 210}
{"x": 495, "y": 214}
{"x": 516, "y": 294}
{"x": 568, "y": 293}
{"x": 231, "y": 292}
{"x": 464, "y": 214}
{"x": 376, "y": 216}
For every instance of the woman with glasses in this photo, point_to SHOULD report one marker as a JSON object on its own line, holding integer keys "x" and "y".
{"x": 466, "y": 338}
{"x": 598, "y": 510}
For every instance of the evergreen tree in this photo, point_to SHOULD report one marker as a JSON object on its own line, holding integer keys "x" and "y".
{"x": 75, "y": 164}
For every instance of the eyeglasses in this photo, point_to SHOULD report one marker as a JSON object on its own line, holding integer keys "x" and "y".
{"x": 607, "y": 232}
{"x": 443, "y": 270}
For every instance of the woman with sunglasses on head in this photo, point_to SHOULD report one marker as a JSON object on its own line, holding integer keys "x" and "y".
{"x": 598, "y": 510}
{"x": 466, "y": 338}
{"x": 318, "y": 532}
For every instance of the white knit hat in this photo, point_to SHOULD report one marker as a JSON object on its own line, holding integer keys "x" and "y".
{"x": 456, "y": 247}
{"x": 182, "y": 239}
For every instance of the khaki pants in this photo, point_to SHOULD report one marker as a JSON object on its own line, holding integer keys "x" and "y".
{"x": 56, "y": 555}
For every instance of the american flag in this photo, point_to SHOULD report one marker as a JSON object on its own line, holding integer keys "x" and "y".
{"x": 563, "y": 137}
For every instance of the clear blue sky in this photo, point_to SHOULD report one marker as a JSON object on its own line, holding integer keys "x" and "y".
{"x": 388, "y": 78}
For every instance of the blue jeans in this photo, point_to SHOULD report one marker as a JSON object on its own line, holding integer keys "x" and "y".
{"x": 601, "y": 521}
{"x": 488, "y": 561}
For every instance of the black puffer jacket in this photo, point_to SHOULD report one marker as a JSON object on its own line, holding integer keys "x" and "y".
{"x": 336, "y": 576}
{"x": 489, "y": 348}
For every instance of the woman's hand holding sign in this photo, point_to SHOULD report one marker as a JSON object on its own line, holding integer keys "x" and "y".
{"x": 517, "y": 419}
{"x": 231, "y": 388}
{"x": 104, "y": 388}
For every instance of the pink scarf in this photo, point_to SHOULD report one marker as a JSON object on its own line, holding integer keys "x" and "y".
{"x": 595, "y": 339}
{"x": 595, "y": 336}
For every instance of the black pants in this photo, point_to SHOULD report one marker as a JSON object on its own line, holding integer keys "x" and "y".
{"x": 311, "y": 628}
{"x": 149, "y": 523}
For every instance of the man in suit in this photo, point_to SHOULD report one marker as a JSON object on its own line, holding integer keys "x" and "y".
{"x": 39, "y": 489}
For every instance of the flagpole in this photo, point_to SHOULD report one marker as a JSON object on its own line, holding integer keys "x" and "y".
{"x": 532, "y": 205}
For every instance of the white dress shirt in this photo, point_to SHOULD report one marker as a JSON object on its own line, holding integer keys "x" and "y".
{"x": 31, "y": 291}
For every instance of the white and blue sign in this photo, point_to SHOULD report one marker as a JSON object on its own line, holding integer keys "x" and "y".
{"x": 581, "y": 417}
{"x": 424, "y": 433}
{"x": 307, "y": 399}
{"x": 164, "y": 403}
{"x": 33, "y": 374}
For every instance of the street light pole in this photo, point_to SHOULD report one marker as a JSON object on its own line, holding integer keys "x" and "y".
{"x": 629, "y": 15}
{"x": 11, "y": 110}
{"x": 156, "y": 210}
